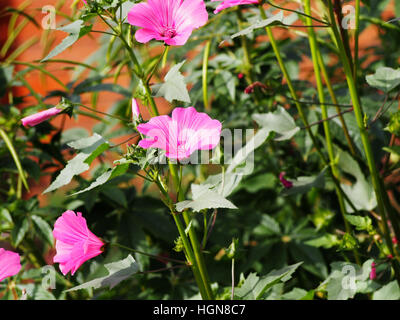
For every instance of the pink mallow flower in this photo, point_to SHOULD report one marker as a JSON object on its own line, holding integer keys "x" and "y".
{"x": 10, "y": 264}
{"x": 231, "y": 3}
{"x": 171, "y": 21}
{"x": 181, "y": 135}
{"x": 39, "y": 117}
{"x": 75, "y": 243}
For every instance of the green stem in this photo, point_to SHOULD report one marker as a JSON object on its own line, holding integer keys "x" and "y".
{"x": 356, "y": 38}
{"x": 192, "y": 234}
{"x": 206, "y": 55}
{"x": 145, "y": 254}
{"x": 376, "y": 181}
{"x": 320, "y": 88}
{"x": 336, "y": 103}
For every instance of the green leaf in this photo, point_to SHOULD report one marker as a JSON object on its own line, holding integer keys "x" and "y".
{"x": 15, "y": 157}
{"x": 279, "y": 121}
{"x": 76, "y": 31}
{"x": 274, "y": 20}
{"x": 90, "y": 147}
{"x": 385, "y": 79}
{"x": 174, "y": 86}
{"x": 326, "y": 241}
{"x": 267, "y": 226}
{"x": 361, "y": 223}
{"x": 298, "y": 294}
{"x": 118, "y": 271}
{"x": 361, "y": 193}
{"x": 106, "y": 176}
{"x": 389, "y": 292}
{"x": 305, "y": 184}
{"x": 44, "y": 229}
{"x": 19, "y": 231}
{"x": 254, "y": 286}
{"x": 204, "y": 198}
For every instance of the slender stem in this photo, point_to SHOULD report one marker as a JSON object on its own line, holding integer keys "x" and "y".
{"x": 233, "y": 279}
{"x": 297, "y": 12}
{"x": 335, "y": 101}
{"x": 146, "y": 254}
{"x": 101, "y": 112}
{"x": 192, "y": 234}
{"x": 160, "y": 59}
{"x": 356, "y": 38}
{"x": 299, "y": 106}
{"x": 381, "y": 194}
{"x": 329, "y": 143}
{"x": 206, "y": 55}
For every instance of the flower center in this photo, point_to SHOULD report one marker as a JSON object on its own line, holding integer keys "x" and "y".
{"x": 169, "y": 32}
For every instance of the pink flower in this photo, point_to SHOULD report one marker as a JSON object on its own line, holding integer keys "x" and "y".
{"x": 135, "y": 110}
{"x": 171, "y": 21}
{"x": 9, "y": 264}
{"x": 231, "y": 3}
{"x": 287, "y": 184}
{"x": 181, "y": 135}
{"x": 75, "y": 243}
{"x": 39, "y": 117}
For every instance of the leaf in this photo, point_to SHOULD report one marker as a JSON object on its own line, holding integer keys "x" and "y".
{"x": 361, "y": 223}
{"x": 361, "y": 193}
{"x": 90, "y": 148}
{"x": 274, "y": 20}
{"x": 106, "y": 176}
{"x": 174, "y": 86}
{"x": 19, "y": 231}
{"x": 279, "y": 121}
{"x": 385, "y": 79}
{"x": 76, "y": 30}
{"x": 44, "y": 228}
{"x": 204, "y": 198}
{"x": 389, "y": 292}
{"x": 326, "y": 241}
{"x": 267, "y": 226}
{"x": 118, "y": 271}
{"x": 305, "y": 184}
{"x": 254, "y": 286}
{"x": 123, "y": 10}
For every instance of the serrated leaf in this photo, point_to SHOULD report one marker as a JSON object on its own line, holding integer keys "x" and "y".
{"x": 385, "y": 79}
{"x": 106, "y": 176}
{"x": 254, "y": 286}
{"x": 76, "y": 30}
{"x": 279, "y": 121}
{"x": 389, "y": 292}
{"x": 276, "y": 19}
{"x": 44, "y": 228}
{"x": 174, "y": 86}
{"x": 204, "y": 198}
{"x": 326, "y": 241}
{"x": 93, "y": 145}
{"x": 361, "y": 223}
{"x": 19, "y": 231}
{"x": 118, "y": 271}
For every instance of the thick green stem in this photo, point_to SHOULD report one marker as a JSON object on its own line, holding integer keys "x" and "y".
{"x": 192, "y": 234}
{"x": 315, "y": 53}
{"x": 356, "y": 36}
{"x": 335, "y": 101}
{"x": 381, "y": 194}
{"x": 206, "y": 55}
